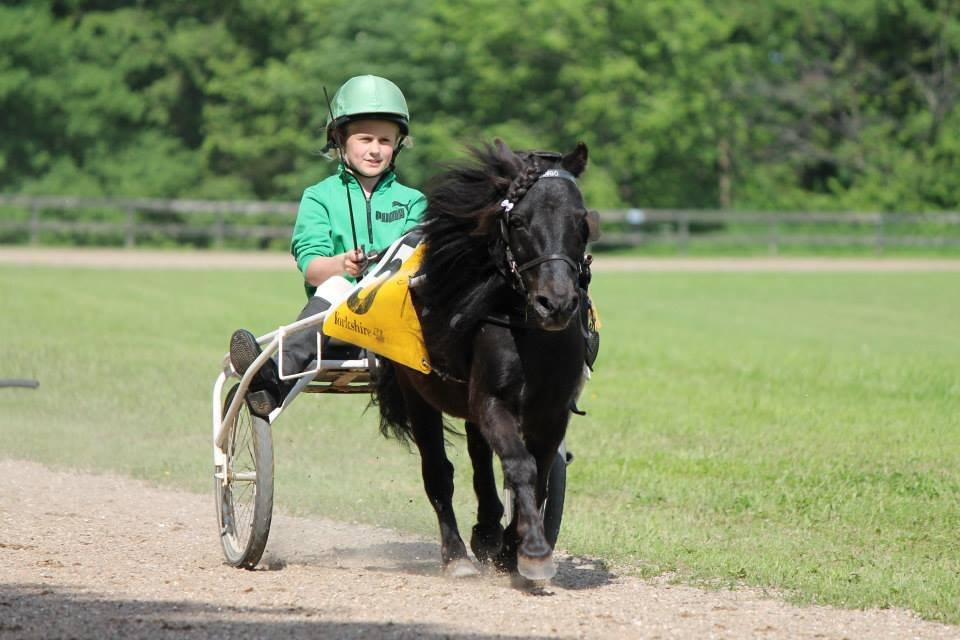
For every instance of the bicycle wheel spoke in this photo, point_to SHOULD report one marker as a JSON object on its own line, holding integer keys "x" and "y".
{"x": 244, "y": 505}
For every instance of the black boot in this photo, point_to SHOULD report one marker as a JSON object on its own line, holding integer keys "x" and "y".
{"x": 265, "y": 393}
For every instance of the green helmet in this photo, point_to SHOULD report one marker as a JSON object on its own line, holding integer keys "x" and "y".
{"x": 368, "y": 97}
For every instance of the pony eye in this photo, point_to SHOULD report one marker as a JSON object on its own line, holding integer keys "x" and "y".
{"x": 516, "y": 222}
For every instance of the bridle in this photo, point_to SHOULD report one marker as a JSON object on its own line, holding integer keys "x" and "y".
{"x": 511, "y": 270}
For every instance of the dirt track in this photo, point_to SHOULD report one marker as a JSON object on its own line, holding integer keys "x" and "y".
{"x": 89, "y": 556}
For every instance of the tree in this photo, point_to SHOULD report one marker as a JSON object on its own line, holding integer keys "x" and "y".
{"x": 690, "y": 103}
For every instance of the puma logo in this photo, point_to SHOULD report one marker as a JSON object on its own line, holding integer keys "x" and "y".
{"x": 399, "y": 212}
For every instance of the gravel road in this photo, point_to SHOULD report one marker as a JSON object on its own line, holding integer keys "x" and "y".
{"x": 101, "y": 556}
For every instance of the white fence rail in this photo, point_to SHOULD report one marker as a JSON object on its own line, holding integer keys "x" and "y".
{"x": 43, "y": 210}
{"x": 134, "y": 219}
{"x": 777, "y": 229}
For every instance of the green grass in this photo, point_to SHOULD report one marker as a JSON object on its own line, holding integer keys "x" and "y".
{"x": 792, "y": 431}
{"x": 799, "y": 432}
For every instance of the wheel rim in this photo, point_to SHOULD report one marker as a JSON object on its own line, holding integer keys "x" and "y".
{"x": 240, "y": 490}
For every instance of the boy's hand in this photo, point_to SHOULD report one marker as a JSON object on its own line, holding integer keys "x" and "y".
{"x": 354, "y": 262}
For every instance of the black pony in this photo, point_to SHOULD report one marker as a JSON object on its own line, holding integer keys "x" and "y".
{"x": 501, "y": 310}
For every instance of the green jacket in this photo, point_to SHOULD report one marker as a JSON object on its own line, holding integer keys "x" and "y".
{"x": 323, "y": 220}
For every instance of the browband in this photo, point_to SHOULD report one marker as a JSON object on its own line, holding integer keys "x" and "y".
{"x": 559, "y": 173}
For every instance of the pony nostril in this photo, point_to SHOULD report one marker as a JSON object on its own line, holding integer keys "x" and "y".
{"x": 574, "y": 303}
{"x": 544, "y": 303}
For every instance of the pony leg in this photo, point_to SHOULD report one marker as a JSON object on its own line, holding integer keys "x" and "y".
{"x": 534, "y": 556}
{"x": 487, "y": 535}
{"x": 437, "y": 472}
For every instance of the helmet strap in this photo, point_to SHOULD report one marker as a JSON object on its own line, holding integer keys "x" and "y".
{"x": 396, "y": 152}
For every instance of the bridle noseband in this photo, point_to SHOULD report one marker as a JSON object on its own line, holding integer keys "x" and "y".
{"x": 513, "y": 270}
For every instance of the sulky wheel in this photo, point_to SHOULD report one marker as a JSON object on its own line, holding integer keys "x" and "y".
{"x": 552, "y": 509}
{"x": 244, "y": 488}
{"x": 556, "y": 490}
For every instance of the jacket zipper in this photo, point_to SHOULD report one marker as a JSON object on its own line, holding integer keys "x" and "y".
{"x": 368, "y": 202}
{"x": 370, "y": 221}
{"x": 370, "y": 210}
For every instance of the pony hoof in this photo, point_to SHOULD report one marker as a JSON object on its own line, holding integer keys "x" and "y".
{"x": 486, "y": 542}
{"x": 460, "y": 568}
{"x": 536, "y": 569}
{"x": 533, "y": 587}
{"x": 505, "y": 564}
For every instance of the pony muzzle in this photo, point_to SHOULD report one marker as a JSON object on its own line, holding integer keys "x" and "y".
{"x": 554, "y": 309}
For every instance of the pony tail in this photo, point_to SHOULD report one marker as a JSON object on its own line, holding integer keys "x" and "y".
{"x": 388, "y": 397}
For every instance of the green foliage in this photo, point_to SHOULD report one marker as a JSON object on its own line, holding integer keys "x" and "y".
{"x": 689, "y": 103}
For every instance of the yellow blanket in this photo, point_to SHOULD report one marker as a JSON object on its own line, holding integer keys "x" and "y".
{"x": 379, "y": 315}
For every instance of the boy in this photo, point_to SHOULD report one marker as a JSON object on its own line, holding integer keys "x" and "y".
{"x": 361, "y": 208}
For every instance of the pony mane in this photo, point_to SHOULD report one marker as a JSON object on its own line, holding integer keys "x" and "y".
{"x": 460, "y": 223}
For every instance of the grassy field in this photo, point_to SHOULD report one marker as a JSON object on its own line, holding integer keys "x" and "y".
{"x": 799, "y": 432}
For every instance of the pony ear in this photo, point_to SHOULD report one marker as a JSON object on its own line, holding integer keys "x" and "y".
{"x": 575, "y": 161}
{"x": 506, "y": 158}
{"x": 593, "y": 224}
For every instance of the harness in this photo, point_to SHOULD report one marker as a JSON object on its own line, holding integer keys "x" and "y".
{"x": 512, "y": 271}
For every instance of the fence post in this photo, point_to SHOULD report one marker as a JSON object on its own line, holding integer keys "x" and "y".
{"x": 34, "y": 224}
{"x": 683, "y": 239}
{"x": 773, "y": 239}
{"x": 879, "y": 240}
{"x": 218, "y": 230}
{"x": 131, "y": 236}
